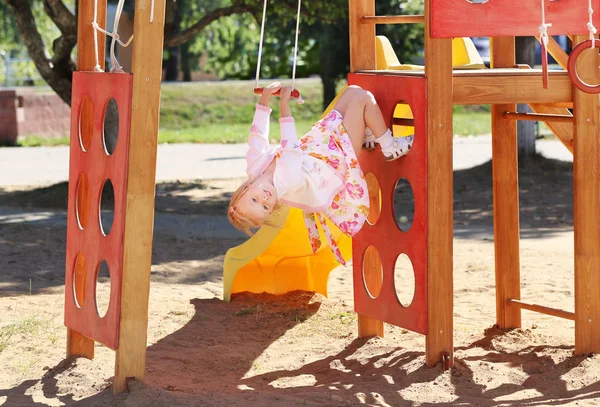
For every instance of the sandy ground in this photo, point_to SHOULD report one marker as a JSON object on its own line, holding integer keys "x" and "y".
{"x": 301, "y": 349}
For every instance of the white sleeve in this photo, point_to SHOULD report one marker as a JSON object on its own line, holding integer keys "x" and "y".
{"x": 258, "y": 139}
{"x": 288, "y": 174}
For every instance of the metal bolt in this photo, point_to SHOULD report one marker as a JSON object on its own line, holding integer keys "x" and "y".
{"x": 131, "y": 354}
{"x": 588, "y": 120}
{"x": 590, "y": 320}
{"x": 440, "y": 124}
{"x": 441, "y": 331}
{"x": 147, "y": 79}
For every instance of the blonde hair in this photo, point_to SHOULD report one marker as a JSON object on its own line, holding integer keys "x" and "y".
{"x": 237, "y": 217}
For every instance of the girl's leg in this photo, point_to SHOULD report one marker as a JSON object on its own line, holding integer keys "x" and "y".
{"x": 360, "y": 110}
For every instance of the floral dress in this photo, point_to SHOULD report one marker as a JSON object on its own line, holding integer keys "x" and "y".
{"x": 329, "y": 141}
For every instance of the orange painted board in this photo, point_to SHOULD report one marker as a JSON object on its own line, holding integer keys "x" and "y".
{"x": 84, "y": 235}
{"x": 385, "y": 235}
{"x": 496, "y": 18}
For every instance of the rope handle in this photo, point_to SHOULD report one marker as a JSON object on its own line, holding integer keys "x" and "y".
{"x": 295, "y": 93}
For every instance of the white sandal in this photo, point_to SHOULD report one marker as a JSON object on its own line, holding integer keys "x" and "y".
{"x": 399, "y": 147}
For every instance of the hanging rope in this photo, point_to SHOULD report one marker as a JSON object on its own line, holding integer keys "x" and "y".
{"x": 295, "y": 93}
{"x": 544, "y": 40}
{"x": 590, "y": 24}
{"x": 116, "y": 38}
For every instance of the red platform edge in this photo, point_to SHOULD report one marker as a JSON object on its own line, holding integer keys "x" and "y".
{"x": 98, "y": 166}
{"x": 385, "y": 235}
{"x": 460, "y": 18}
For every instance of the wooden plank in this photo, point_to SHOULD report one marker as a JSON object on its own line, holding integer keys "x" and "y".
{"x": 543, "y": 309}
{"x": 406, "y": 19}
{"x": 564, "y": 131}
{"x": 362, "y": 36}
{"x": 508, "y": 90}
{"x": 77, "y": 343}
{"x": 438, "y": 70}
{"x": 147, "y": 73}
{"x": 505, "y": 179}
{"x": 372, "y": 268}
{"x": 586, "y": 177}
{"x": 518, "y": 70}
{"x": 539, "y": 117}
{"x": 452, "y": 18}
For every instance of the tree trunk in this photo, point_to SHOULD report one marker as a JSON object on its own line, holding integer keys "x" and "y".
{"x": 327, "y": 67}
{"x": 525, "y": 54}
{"x": 186, "y": 62}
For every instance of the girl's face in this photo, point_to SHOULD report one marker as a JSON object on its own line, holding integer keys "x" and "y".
{"x": 258, "y": 201}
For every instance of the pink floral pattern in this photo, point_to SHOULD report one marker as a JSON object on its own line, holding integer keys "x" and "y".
{"x": 329, "y": 142}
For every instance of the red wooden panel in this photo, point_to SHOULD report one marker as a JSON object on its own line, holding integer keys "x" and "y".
{"x": 460, "y": 18}
{"x": 385, "y": 235}
{"x": 98, "y": 167}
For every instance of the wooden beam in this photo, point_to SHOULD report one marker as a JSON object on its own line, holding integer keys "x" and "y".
{"x": 406, "y": 19}
{"x": 586, "y": 177}
{"x": 137, "y": 257}
{"x": 539, "y": 117}
{"x": 510, "y": 89}
{"x": 542, "y": 309}
{"x": 438, "y": 70}
{"x": 505, "y": 179}
{"x": 77, "y": 343}
{"x": 362, "y": 36}
{"x": 562, "y": 130}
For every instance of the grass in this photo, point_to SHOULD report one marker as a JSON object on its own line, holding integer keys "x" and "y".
{"x": 221, "y": 112}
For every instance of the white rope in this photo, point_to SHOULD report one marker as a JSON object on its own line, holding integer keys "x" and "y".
{"x": 590, "y": 24}
{"x": 260, "y": 44}
{"x": 544, "y": 27}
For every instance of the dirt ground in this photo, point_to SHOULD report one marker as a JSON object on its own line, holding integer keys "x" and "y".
{"x": 301, "y": 349}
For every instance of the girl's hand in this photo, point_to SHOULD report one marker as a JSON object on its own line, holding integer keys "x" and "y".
{"x": 267, "y": 92}
{"x": 285, "y": 96}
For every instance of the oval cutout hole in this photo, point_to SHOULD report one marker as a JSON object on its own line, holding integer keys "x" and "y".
{"x": 110, "y": 135}
{"x": 374, "y": 198}
{"x": 82, "y": 201}
{"x": 403, "y": 125}
{"x": 79, "y": 280}
{"x": 86, "y": 124}
{"x": 107, "y": 207}
{"x": 404, "y": 280}
{"x": 404, "y": 204}
{"x": 372, "y": 272}
{"x": 477, "y": 1}
{"x": 103, "y": 289}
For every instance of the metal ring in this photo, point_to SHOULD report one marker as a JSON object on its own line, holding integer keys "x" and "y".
{"x": 579, "y": 84}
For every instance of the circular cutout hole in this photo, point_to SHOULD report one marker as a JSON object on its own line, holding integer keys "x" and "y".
{"x": 374, "y": 198}
{"x": 86, "y": 123}
{"x": 404, "y": 280}
{"x": 79, "y": 280}
{"x": 107, "y": 207}
{"x": 372, "y": 271}
{"x": 111, "y": 126}
{"x": 404, "y": 204}
{"x": 402, "y": 124}
{"x": 82, "y": 201}
{"x": 103, "y": 289}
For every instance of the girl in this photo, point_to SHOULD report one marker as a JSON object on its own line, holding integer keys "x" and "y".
{"x": 319, "y": 173}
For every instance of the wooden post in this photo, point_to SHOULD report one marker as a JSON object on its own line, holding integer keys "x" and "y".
{"x": 586, "y": 178}
{"x": 362, "y": 56}
{"x": 362, "y": 36}
{"x": 438, "y": 70}
{"x": 505, "y": 170}
{"x": 147, "y": 74}
{"x": 78, "y": 344}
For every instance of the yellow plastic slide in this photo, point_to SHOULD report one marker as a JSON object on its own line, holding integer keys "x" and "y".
{"x": 279, "y": 258}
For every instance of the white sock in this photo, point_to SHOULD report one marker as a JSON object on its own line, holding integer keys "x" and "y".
{"x": 386, "y": 140}
{"x": 368, "y": 132}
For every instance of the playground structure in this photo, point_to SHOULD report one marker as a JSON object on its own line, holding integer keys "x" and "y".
{"x": 263, "y": 264}
{"x": 430, "y": 93}
{"x": 130, "y": 167}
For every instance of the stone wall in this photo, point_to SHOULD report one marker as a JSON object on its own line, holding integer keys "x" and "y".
{"x": 25, "y": 113}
